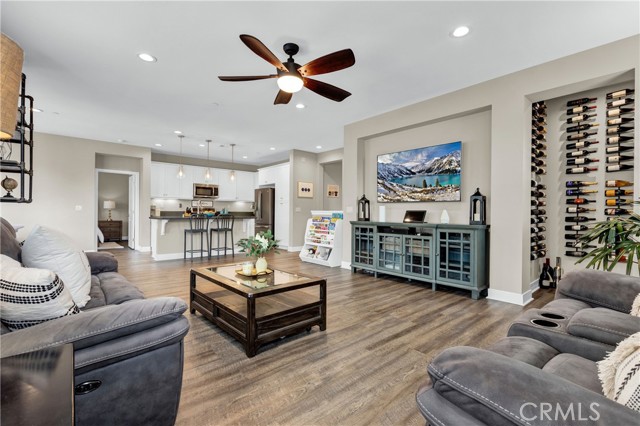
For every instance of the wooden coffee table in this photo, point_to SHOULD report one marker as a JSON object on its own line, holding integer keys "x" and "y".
{"x": 261, "y": 309}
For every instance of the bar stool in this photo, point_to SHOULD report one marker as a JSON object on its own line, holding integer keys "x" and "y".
{"x": 198, "y": 224}
{"x": 223, "y": 224}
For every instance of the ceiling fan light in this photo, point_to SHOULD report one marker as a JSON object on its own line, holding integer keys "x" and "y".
{"x": 290, "y": 83}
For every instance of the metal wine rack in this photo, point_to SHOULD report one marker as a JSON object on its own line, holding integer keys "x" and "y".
{"x": 538, "y": 169}
{"x": 619, "y": 151}
{"x": 581, "y": 129}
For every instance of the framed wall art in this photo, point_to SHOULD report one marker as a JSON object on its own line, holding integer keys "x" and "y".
{"x": 305, "y": 190}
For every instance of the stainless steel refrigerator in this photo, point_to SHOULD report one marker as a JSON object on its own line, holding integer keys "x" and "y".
{"x": 265, "y": 200}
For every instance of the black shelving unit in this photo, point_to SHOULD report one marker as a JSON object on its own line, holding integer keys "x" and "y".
{"x": 22, "y": 168}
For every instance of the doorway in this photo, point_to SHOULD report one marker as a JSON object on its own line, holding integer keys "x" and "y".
{"x": 117, "y": 198}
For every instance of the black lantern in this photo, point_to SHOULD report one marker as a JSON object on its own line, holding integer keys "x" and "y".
{"x": 364, "y": 209}
{"x": 478, "y": 209}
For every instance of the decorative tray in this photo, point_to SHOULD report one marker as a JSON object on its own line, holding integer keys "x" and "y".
{"x": 258, "y": 274}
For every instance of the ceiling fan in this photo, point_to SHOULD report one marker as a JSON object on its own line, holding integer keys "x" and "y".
{"x": 292, "y": 77}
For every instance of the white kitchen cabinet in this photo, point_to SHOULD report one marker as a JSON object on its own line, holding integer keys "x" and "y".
{"x": 245, "y": 186}
{"x": 164, "y": 180}
{"x": 267, "y": 176}
{"x": 186, "y": 183}
{"x": 226, "y": 186}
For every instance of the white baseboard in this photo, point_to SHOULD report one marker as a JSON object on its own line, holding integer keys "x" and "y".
{"x": 293, "y": 249}
{"x": 510, "y": 297}
{"x": 345, "y": 265}
{"x": 180, "y": 255}
{"x": 143, "y": 249}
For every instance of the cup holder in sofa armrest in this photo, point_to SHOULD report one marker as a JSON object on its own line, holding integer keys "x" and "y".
{"x": 544, "y": 323}
{"x": 551, "y": 315}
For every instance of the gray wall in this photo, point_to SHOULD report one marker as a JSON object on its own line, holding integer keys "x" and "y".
{"x": 509, "y": 99}
{"x": 331, "y": 175}
{"x": 114, "y": 187}
{"x": 65, "y": 177}
{"x": 304, "y": 168}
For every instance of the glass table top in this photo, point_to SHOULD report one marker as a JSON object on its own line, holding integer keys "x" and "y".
{"x": 275, "y": 278}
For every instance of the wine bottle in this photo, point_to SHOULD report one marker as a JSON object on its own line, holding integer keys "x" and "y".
{"x": 579, "y": 253}
{"x": 536, "y": 229}
{"x": 581, "y": 144}
{"x": 579, "y": 210}
{"x": 619, "y": 129}
{"x": 539, "y": 104}
{"x": 572, "y": 236}
{"x": 538, "y": 162}
{"x": 579, "y": 183}
{"x": 612, "y": 202}
{"x": 582, "y": 135}
{"x": 620, "y": 93}
{"x": 538, "y": 238}
{"x": 619, "y": 120}
{"x": 578, "y": 161}
{"x": 538, "y": 153}
{"x": 580, "y": 127}
{"x": 536, "y": 128}
{"x": 534, "y": 255}
{"x": 619, "y": 102}
{"x": 576, "y": 227}
{"x": 580, "y": 101}
{"x": 617, "y": 183}
{"x": 538, "y": 212}
{"x": 538, "y": 246}
{"x": 541, "y": 219}
{"x": 617, "y": 192}
{"x": 618, "y": 139}
{"x": 619, "y": 158}
{"x": 541, "y": 186}
{"x": 538, "y": 203}
{"x": 619, "y": 111}
{"x": 618, "y": 148}
{"x": 616, "y": 212}
{"x": 619, "y": 167}
{"x": 580, "y": 170}
{"x": 580, "y": 153}
{"x": 539, "y": 170}
{"x": 579, "y": 201}
{"x": 574, "y": 192}
{"x": 537, "y": 194}
{"x": 578, "y": 219}
{"x": 578, "y": 244}
{"x": 546, "y": 275}
{"x": 580, "y": 117}
{"x": 580, "y": 109}
{"x": 537, "y": 137}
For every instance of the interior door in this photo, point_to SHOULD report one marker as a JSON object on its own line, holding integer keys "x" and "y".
{"x": 132, "y": 212}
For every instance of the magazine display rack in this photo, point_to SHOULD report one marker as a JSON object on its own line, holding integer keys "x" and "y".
{"x": 323, "y": 238}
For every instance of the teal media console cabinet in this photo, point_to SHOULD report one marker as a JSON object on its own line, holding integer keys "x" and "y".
{"x": 450, "y": 255}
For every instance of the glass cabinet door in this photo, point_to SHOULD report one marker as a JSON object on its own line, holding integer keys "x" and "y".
{"x": 455, "y": 256}
{"x": 418, "y": 256}
{"x": 363, "y": 248}
{"x": 390, "y": 252}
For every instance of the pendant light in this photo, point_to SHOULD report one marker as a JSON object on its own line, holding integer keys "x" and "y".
{"x": 207, "y": 173}
{"x": 232, "y": 174}
{"x": 180, "y": 168}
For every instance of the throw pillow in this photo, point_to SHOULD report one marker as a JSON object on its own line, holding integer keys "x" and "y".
{"x": 100, "y": 235}
{"x": 635, "y": 307}
{"x": 49, "y": 249}
{"x": 29, "y": 296}
{"x": 619, "y": 373}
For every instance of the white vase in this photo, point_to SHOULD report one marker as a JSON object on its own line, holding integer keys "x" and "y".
{"x": 444, "y": 217}
{"x": 261, "y": 264}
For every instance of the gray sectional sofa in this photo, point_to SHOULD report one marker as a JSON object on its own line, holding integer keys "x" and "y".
{"x": 133, "y": 346}
{"x": 545, "y": 372}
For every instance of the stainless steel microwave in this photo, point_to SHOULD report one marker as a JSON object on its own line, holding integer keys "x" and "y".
{"x": 204, "y": 191}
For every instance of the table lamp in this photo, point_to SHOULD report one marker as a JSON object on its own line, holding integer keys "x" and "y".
{"x": 109, "y": 205}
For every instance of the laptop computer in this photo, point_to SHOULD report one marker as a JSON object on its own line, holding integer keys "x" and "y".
{"x": 414, "y": 216}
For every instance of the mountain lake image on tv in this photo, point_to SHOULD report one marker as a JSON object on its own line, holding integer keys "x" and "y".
{"x": 431, "y": 173}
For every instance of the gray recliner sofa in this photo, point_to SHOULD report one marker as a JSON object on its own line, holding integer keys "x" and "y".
{"x": 133, "y": 346}
{"x": 550, "y": 376}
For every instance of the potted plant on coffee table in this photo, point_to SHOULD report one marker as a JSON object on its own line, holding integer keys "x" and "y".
{"x": 258, "y": 246}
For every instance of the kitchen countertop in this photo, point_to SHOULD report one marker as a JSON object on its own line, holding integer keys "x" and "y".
{"x": 236, "y": 215}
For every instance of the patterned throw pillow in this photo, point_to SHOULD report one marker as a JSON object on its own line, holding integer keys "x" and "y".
{"x": 29, "y": 296}
{"x": 635, "y": 308}
{"x": 619, "y": 373}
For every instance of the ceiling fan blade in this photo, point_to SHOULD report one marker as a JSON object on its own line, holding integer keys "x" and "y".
{"x": 261, "y": 50}
{"x": 246, "y": 77}
{"x": 329, "y": 63}
{"x": 328, "y": 91}
{"x": 282, "y": 97}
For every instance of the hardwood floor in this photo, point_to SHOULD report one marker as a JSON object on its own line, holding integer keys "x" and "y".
{"x": 363, "y": 370}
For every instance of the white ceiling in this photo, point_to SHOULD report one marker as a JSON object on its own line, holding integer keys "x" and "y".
{"x": 82, "y": 67}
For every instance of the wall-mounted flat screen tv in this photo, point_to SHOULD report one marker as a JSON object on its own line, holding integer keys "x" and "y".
{"x": 431, "y": 173}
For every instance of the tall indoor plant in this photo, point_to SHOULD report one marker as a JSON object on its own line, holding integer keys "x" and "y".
{"x": 619, "y": 241}
{"x": 258, "y": 246}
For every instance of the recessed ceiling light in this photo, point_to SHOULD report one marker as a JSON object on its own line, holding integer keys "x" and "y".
{"x": 177, "y": 132}
{"x": 36, "y": 110}
{"x": 158, "y": 144}
{"x": 273, "y": 148}
{"x": 245, "y": 157}
{"x": 460, "y": 31}
{"x": 147, "y": 57}
{"x": 202, "y": 145}
{"x": 121, "y": 140}
{"x": 300, "y": 106}
{"x": 318, "y": 146}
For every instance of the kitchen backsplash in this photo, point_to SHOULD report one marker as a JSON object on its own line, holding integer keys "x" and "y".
{"x": 159, "y": 205}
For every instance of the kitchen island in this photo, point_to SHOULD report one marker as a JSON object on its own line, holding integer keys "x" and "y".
{"x": 167, "y": 234}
